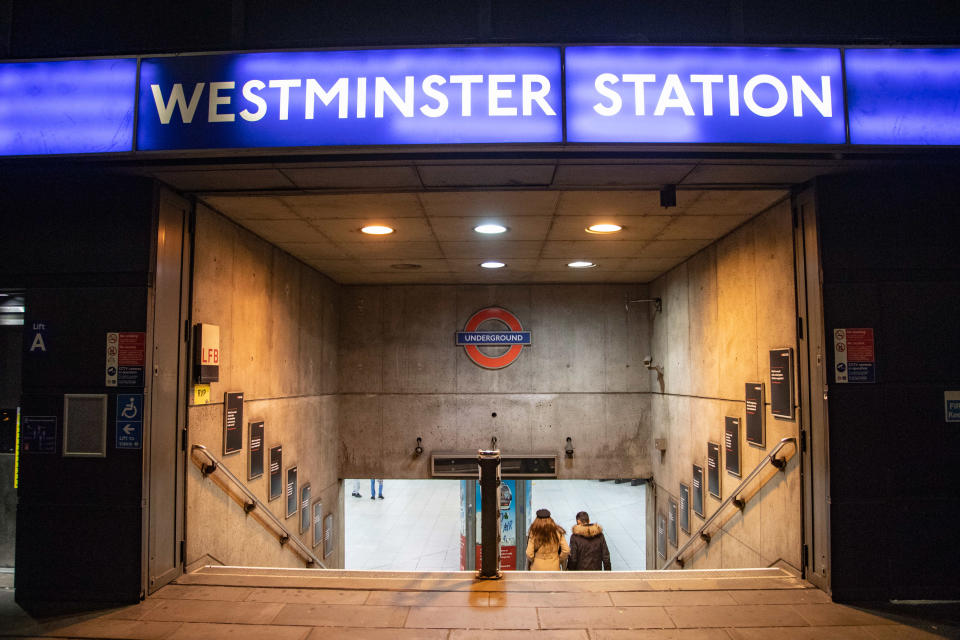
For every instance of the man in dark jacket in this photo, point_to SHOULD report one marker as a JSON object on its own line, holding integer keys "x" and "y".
{"x": 588, "y": 547}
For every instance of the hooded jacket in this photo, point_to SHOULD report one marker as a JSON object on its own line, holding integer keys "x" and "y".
{"x": 588, "y": 549}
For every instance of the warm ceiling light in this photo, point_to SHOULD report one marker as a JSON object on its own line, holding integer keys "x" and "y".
{"x": 377, "y": 230}
{"x": 581, "y": 264}
{"x": 603, "y": 228}
{"x": 492, "y": 265}
{"x": 490, "y": 228}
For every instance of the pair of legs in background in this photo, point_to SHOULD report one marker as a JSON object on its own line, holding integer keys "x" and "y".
{"x": 373, "y": 488}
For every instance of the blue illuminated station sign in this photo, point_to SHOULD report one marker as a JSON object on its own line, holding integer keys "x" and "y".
{"x": 482, "y": 95}
{"x": 376, "y": 97}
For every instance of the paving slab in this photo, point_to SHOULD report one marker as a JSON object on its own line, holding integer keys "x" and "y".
{"x": 526, "y": 634}
{"x": 472, "y": 618}
{"x": 430, "y": 598}
{"x": 672, "y": 598}
{"x": 338, "y": 615}
{"x": 802, "y": 633}
{"x": 207, "y": 631}
{"x": 214, "y": 611}
{"x": 308, "y": 596}
{"x": 698, "y": 617}
{"x": 550, "y": 599}
{"x": 604, "y": 618}
{"x": 358, "y": 633}
{"x": 112, "y": 628}
{"x": 179, "y": 592}
{"x": 659, "y": 634}
{"x": 779, "y": 596}
{"x": 838, "y": 614}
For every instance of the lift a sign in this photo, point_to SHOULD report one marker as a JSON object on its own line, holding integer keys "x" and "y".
{"x": 514, "y": 338}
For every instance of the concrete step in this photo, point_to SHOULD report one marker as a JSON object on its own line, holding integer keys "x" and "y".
{"x": 519, "y": 581}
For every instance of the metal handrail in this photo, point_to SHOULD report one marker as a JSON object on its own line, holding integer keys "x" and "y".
{"x": 285, "y": 536}
{"x": 779, "y": 463}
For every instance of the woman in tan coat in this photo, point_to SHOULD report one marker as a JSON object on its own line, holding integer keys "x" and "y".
{"x": 547, "y": 547}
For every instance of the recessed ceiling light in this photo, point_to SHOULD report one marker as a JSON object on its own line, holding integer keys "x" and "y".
{"x": 581, "y": 264}
{"x": 490, "y": 228}
{"x": 377, "y": 230}
{"x": 492, "y": 265}
{"x": 603, "y": 228}
{"x": 406, "y": 266}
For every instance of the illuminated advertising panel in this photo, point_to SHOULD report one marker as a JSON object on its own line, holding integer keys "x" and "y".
{"x": 71, "y": 106}
{"x": 704, "y": 95}
{"x": 375, "y": 97}
{"x": 904, "y": 96}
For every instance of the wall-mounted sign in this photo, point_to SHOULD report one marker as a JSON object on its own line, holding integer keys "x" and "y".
{"x": 41, "y": 336}
{"x": 731, "y": 445}
{"x": 490, "y": 348}
{"x": 317, "y": 523}
{"x": 305, "y": 508}
{"x": 276, "y": 469}
{"x": 951, "y": 405}
{"x": 125, "y": 358}
{"x": 378, "y": 97}
{"x": 206, "y": 355}
{"x": 713, "y": 469}
{"x": 661, "y": 535}
{"x": 255, "y": 451}
{"x": 328, "y": 535}
{"x": 698, "y": 490}
{"x": 684, "y": 508}
{"x": 781, "y": 383}
{"x": 291, "y": 491}
{"x": 129, "y": 421}
{"x": 704, "y": 94}
{"x": 854, "y": 356}
{"x": 756, "y": 412}
{"x": 903, "y": 96}
{"x": 201, "y": 394}
{"x": 38, "y": 434}
{"x": 69, "y": 106}
{"x": 672, "y": 536}
{"x": 232, "y": 423}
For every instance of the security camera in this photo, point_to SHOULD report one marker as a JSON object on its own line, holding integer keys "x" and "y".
{"x": 648, "y": 361}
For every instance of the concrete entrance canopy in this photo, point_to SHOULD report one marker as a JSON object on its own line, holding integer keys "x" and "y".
{"x": 314, "y": 210}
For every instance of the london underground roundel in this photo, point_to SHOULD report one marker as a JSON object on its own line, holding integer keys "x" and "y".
{"x": 514, "y": 338}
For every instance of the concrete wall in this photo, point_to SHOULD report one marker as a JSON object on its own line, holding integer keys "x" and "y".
{"x": 278, "y": 324}
{"x": 401, "y": 376}
{"x": 723, "y": 310}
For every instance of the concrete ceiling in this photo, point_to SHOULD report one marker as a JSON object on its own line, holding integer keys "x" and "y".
{"x": 546, "y": 230}
{"x": 314, "y": 210}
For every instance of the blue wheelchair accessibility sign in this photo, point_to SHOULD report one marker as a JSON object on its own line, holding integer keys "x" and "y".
{"x": 129, "y": 421}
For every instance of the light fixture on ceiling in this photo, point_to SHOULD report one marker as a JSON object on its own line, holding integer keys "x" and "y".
{"x": 406, "y": 266}
{"x": 603, "y": 228}
{"x": 376, "y": 230}
{"x": 492, "y": 264}
{"x": 581, "y": 264}
{"x": 490, "y": 228}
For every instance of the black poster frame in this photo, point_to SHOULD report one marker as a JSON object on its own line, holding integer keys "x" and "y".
{"x": 317, "y": 522}
{"x": 327, "y": 535}
{"x": 255, "y": 450}
{"x": 290, "y": 490}
{"x": 672, "y": 525}
{"x": 304, "y": 507}
{"x": 684, "y": 517}
{"x": 713, "y": 472}
{"x": 275, "y": 487}
{"x": 781, "y": 383}
{"x": 697, "y": 487}
{"x": 662, "y": 535}
{"x": 731, "y": 445}
{"x": 232, "y": 422}
{"x": 756, "y": 413}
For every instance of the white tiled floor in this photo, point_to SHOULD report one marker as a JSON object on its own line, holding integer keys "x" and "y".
{"x": 416, "y": 525}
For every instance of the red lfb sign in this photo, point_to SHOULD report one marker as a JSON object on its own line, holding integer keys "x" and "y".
{"x": 210, "y": 356}
{"x": 131, "y": 349}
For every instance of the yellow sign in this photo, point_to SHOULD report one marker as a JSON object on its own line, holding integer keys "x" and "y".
{"x": 201, "y": 394}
